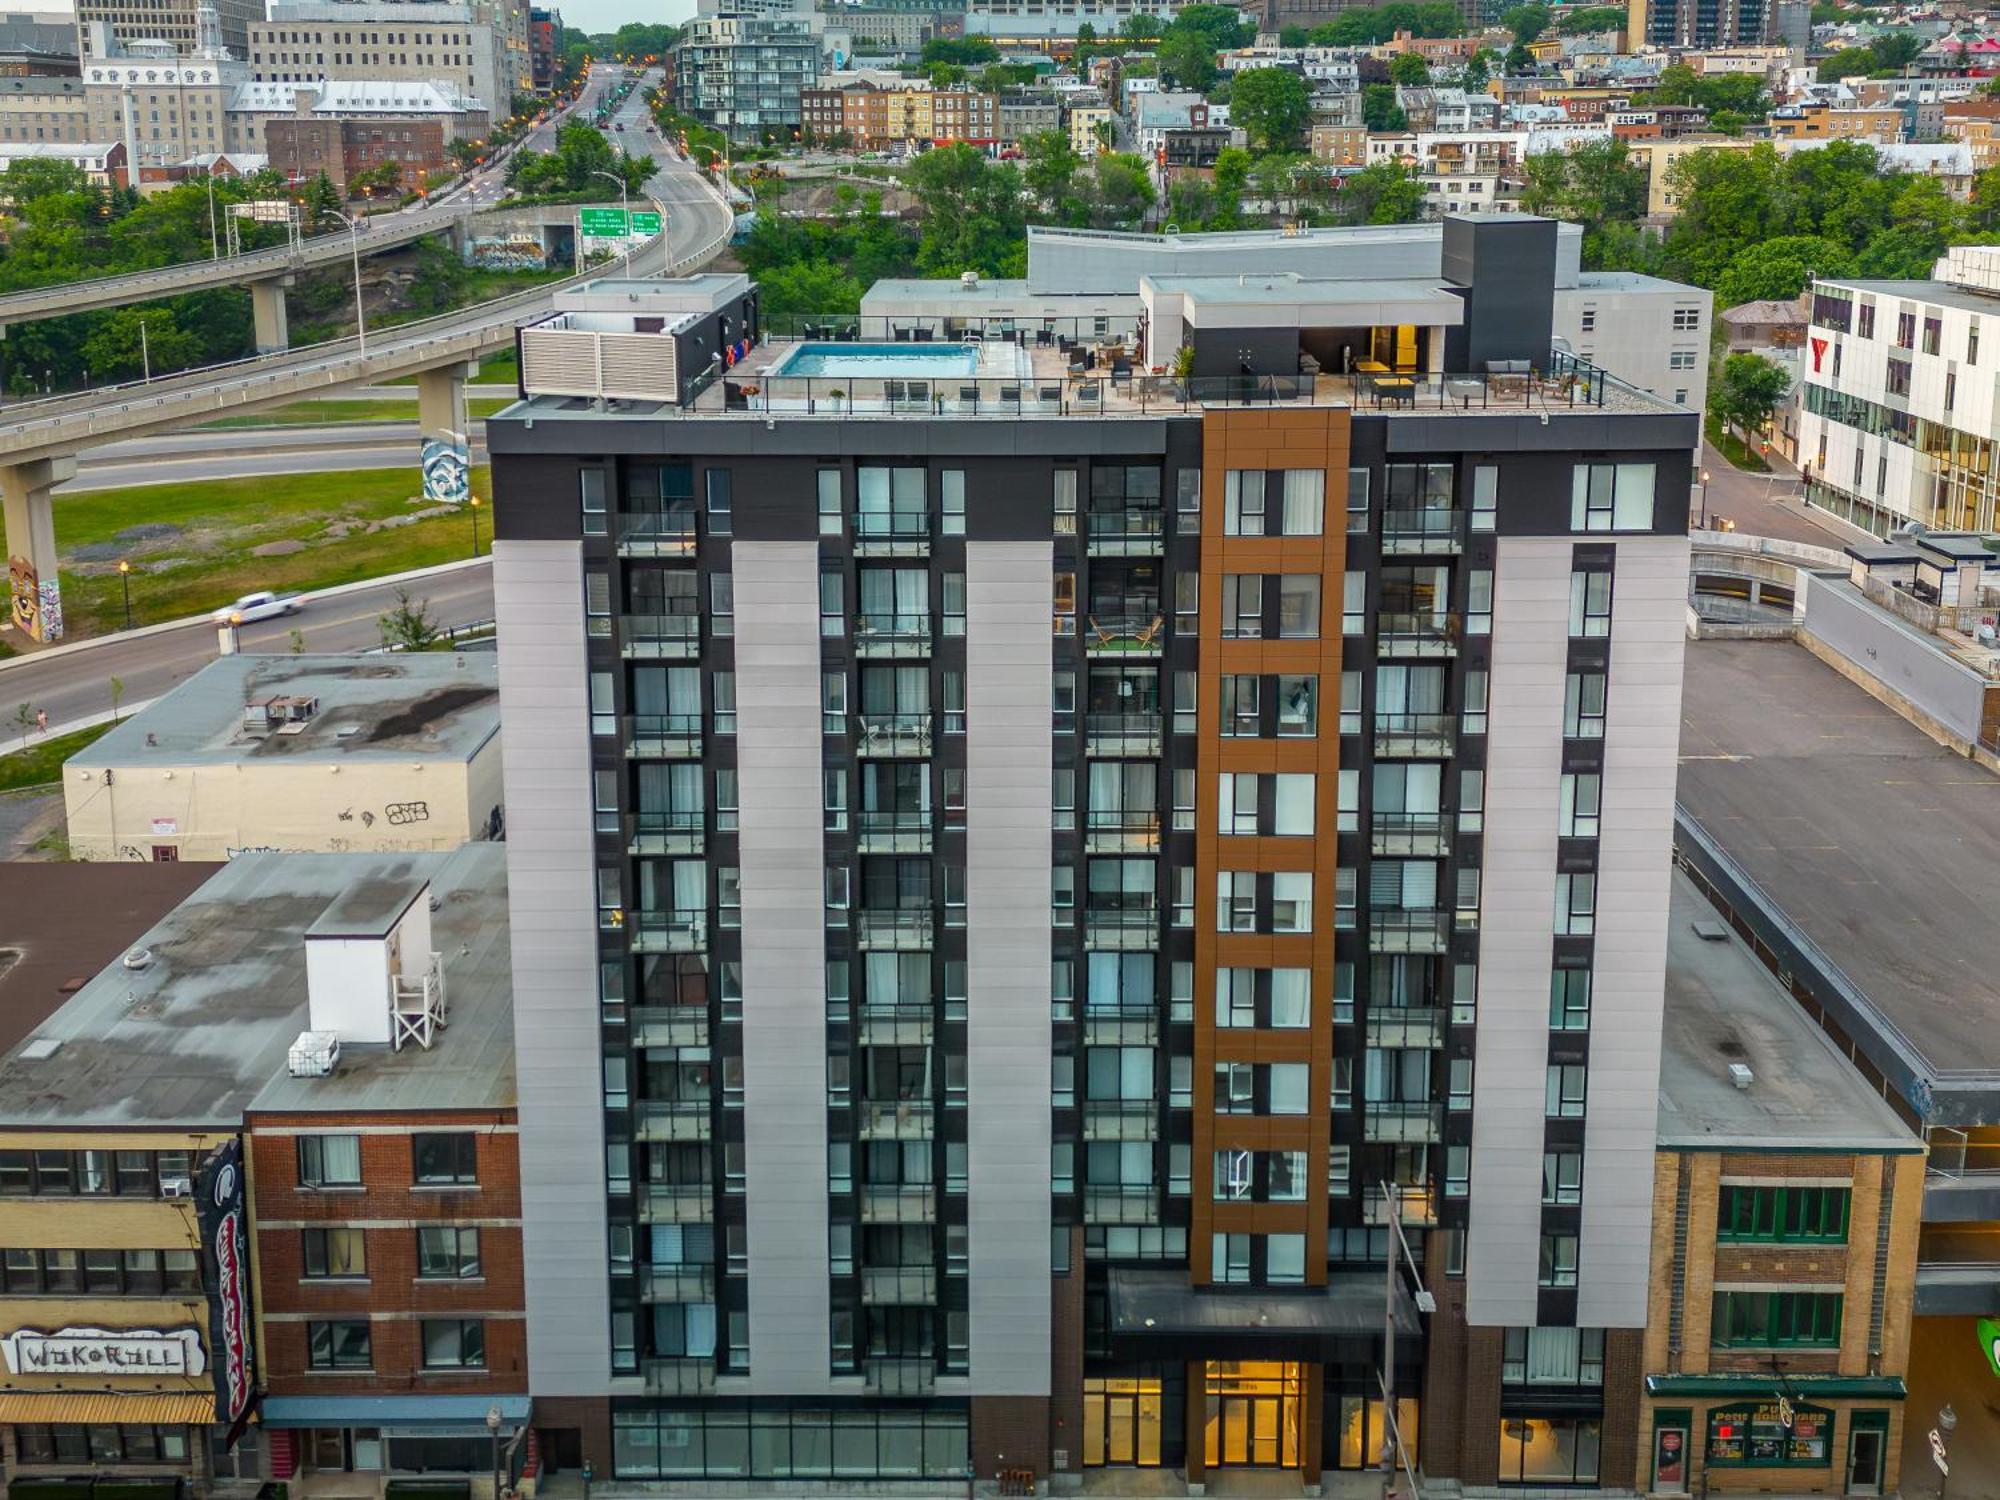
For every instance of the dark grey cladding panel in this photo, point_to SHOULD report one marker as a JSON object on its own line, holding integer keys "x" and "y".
{"x": 1560, "y": 432}
{"x": 585, "y": 434}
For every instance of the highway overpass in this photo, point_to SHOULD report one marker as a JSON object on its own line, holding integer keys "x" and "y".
{"x": 40, "y": 439}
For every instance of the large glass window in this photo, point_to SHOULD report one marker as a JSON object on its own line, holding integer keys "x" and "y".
{"x": 1549, "y": 1450}
{"x": 723, "y": 1440}
{"x": 1756, "y": 1435}
{"x": 1748, "y": 1212}
{"x": 1771, "y": 1319}
{"x": 329, "y": 1161}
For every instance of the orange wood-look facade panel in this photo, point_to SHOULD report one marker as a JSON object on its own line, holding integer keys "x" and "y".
{"x": 1267, "y": 440}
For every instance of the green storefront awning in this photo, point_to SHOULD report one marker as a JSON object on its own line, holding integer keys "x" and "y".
{"x": 1764, "y": 1383}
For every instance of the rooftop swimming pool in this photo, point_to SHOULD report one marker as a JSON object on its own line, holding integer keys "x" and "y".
{"x": 879, "y": 361}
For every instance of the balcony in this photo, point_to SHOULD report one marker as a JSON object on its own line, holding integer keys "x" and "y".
{"x": 1403, "y": 636}
{"x": 1125, "y": 533}
{"x": 1121, "y": 1120}
{"x": 894, "y": 1026}
{"x": 1121, "y": 927}
{"x": 659, "y": 1203}
{"x": 904, "y": 735}
{"x": 1415, "y": 1207}
{"x": 1409, "y": 833}
{"x": 677, "y": 1283}
{"x": 668, "y": 1025}
{"x": 1128, "y": 1025}
{"x": 1121, "y": 832}
{"x": 893, "y": 1375}
{"x": 659, "y": 637}
{"x": 1432, "y": 529}
{"x": 1121, "y": 1204}
{"x": 1405, "y": 1026}
{"x": 1415, "y": 736}
{"x": 668, "y": 931}
{"x": 892, "y": 635}
{"x": 1402, "y": 930}
{"x": 1122, "y": 735}
{"x": 680, "y": 1377}
{"x": 1124, "y": 635}
{"x": 896, "y": 832}
{"x": 657, "y": 534}
{"x": 671, "y": 1119}
{"x": 663, "y": 736}
{"x": 898, "y": 1286}
{"x": 897, "y": 1205}
{"x": 880, "y": 533}
{"x": 665, "y": 831}
{"x": 893, "y": 929}
{"x": 895, "y": 1119}
{"x": 1402, "y": 1122}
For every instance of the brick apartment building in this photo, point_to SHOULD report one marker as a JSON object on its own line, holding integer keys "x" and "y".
{"x": 343, "y": 149}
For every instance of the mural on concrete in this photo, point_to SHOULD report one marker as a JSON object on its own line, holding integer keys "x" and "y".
{"x": 447, "y": 466}
{"x": 34, "y": 606}
{"x": 52, "y": 615}
{"x": 512, "y": 252}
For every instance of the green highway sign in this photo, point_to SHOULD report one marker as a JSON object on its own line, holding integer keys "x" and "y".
{"x": 1989, "y": 1342}
{"x": 602, "y": 223}
{"x": 645, "y": 223}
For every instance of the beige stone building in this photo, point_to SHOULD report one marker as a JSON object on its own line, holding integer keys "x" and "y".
{"x": 307, "y": 752}
{"x": 1786, "y": 1202}
{"x": 38, "y": 109}
{"x": 1659, "y": 157}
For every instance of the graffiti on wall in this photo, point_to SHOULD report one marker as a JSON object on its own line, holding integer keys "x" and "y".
{"x": 52, "y": 615}
{"x": 447, "y": 468}
{"x": 24, "y": 596}
{"x": 512, "y": 252}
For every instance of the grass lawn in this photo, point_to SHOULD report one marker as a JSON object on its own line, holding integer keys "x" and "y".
{"x": 335, "y": 410}
{"x": 42, "y": 761}
{"x": 206, "y": 559}
{"x": 1732, "y": 448}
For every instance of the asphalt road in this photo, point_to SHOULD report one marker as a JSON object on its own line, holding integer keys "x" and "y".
{"x": 1766, "y": 505}
{"x": 75, "y": 685}
{"x": 243, "y": 453}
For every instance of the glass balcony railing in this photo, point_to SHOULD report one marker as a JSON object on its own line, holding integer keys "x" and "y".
{"x": 666, "y": 830}
{"x": 1136, "y": 1025}
{"x": 897, "y": 831}
{"x": 1120, "y": 1204}
{"x": 1406, "y": 930}
{"x": 679, "y": 1377}
{"x": 1402, "y": 1122}
{"x": 894, "y": 1025}
{"x": 655, "y": 636}
{"x": 1122, "y": 734}
{"x": 894, "y": 734}
{"x": 903, "y": 533}
{"x": 1406, "y": 736}
{"x": 904, "y": 1286}
{"x": 1140, "y": 634}
{"x": 660, "y": 1203}
{"x": 663, "y": 736}
{"x": 668, "y": 1025}
{"x": 668, "y": 533}
{"x": 894, "y": 1119}
{"x": 1405, "y": 1026}
{"x": 1124, "y": 927}
{"x": 893, "y": 927}
{"x": 668, "y": 931}
{"x": 1430, "y": 634}
{"x": 677, "y": 1283}
{"x": 671, "y": 1119}
{"x": 897, "y": 1205}
{"x": 1115, "y": 830}
{"x": 895, "y": 1375}
{"x": 878, "y": 634}
{"x": 1409, "y": 833}
{"x": 1125, "y": 533}
{"x": 1121, "y": 1120}
{"x": 1429, "y": 529}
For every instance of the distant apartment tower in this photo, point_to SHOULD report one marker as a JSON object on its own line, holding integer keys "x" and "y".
{"x": 404, "y": 41}
{"x": 175, "y": 21}
{"x": 1700, "y": 23}
{"x": 1018, "y": 880}
{"x": 744, "y": 69}
{"x": 545, "y": 46}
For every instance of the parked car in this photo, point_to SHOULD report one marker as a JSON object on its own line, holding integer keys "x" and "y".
{"x": 262, "y": 605}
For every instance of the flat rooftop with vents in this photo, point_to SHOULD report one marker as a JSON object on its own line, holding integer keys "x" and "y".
{"x": 297, "y": 752}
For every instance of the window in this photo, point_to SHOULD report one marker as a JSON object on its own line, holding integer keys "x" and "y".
{"x": 327, "y": 1161}
{"x": 1243, "y": 502}
{"x": 1485, "y": 497}
{"x": 1562, "y": 1177}
{"x": 454, "y": 1344}
{"x": 1357, "y": 500}
{"x": 1242, "y": 606}
{"x": 1682, "y": 359}
{"x": 445, "y": 1159}
{"x": 1304, "y": 501}
{"x": 1583, "y": 703}
{"x": 1569, "y": 1000}
{"x": 1589, "y": 604}
{"x": 1298, "y": 606}
{"x": 1576, "y": 904}
{"x": 1898, "y": 377}
{"x": 1686, "y": 318}
{"x": 1229, "y": 1258}
{"x": 1298, "y": 706}
{"x": 446, "y": 1252}
{"x": 830, "y": 513}
{"x": 1354, "y": 602}
{"x": 1906, "y": 330}
{"x": 338, "y": 1345}
{"x": 334, "y": 1253}
{"x": 1933, "y": 334}
{"x": 1578, "y": 804}
{"x": 719, "y": 501}
{"x": 1558, "y": 1260}
{"x": 1789, "y": 1213}
{"x": 1611, "y": 497}
{"x": 1564, "y": 1091}
{"x": 1769, "y": 1319}
{"x": 951, "y": 490}
{"x": 1284, "y": 1259}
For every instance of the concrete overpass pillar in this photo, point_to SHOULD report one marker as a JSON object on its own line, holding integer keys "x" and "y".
{"x": 267, "y": 313}
{"x": 446, "y": 433}
{"x": 34, "y": 591}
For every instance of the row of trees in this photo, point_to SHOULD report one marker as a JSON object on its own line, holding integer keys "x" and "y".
{"x": 581, "y": 153}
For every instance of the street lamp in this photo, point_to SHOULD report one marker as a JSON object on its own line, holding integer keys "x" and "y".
{"x": 493, "y": 1435}
{"x": 472, "y": 502}
{"x": 125, "y": 578}
{"x": 1704, "y": 499}
{"x": 1392, "y": 1435}
{"x": 354, "y": 244}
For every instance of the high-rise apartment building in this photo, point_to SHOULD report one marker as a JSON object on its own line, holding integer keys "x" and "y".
{"x": 742, "y": 68}
{"x": 180, "y": 22}
{"x": 1019, "y": 877}
{"x": 404, "y": 41}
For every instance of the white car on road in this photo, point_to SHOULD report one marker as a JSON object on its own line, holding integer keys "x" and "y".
{"x": 262, "y": 605}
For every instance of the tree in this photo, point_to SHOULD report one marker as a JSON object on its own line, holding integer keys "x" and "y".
{"x": 1409, "y": 69}
{"x": 1116, "y": 192}
{"x": 1477, "y": 72}
{"x": 1777, "y": 270}
{"x": 1293, "y": 36}
{"x": 1140, "y": 28}
{"x": 118, "y": 351}
{"x": 805, "y": 289}
{"x": 1748, "y": 390}
{"x": 25, "y": 721}
{"x": 1232, "y": 175}
{"x": 409, "y": 626}
{"x": 974, "y": 216}
{"x": 1379, "y": 109}
{"x": 1593, "y": 184}
{"x": 1222, "y": 26}
{"x": 1049, "y": 165}
{"x": 1386, "y": 193}
{"x": 1593, "y": 18}
{"x": 117, "y": 686}
{"x": 1526, "y": 21}
{"x": 964, "y": 51}
{"x": 1520, "y": 60}
{"x": 1272, "y": 105}
{"x": 1187, "y": 59}
{"x": 1850, "y": 62}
